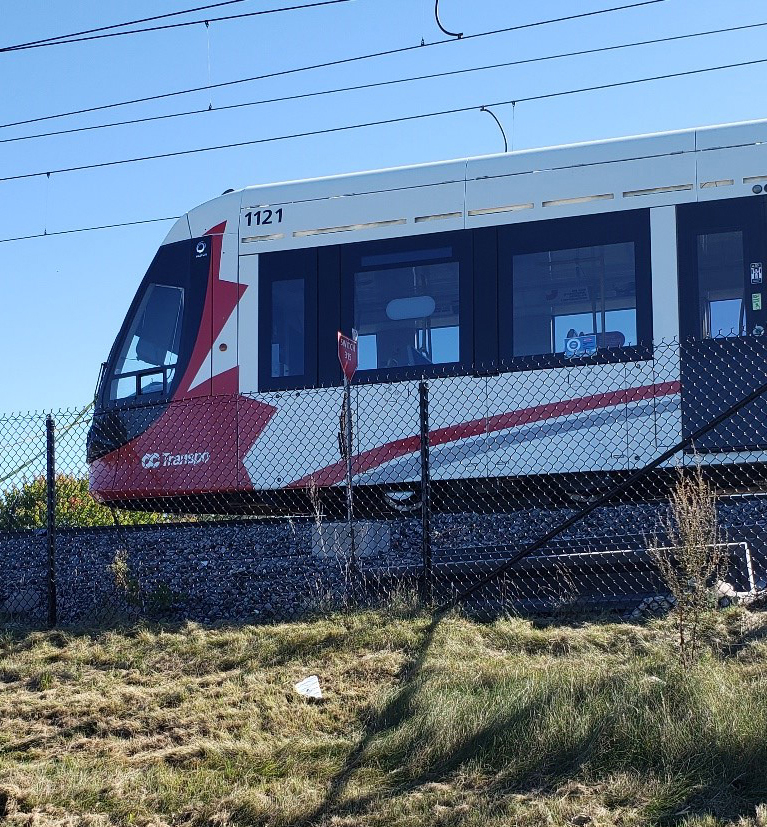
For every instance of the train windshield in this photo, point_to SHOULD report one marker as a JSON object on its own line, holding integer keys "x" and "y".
{"x": 147, "y": 360}
{"x": 158, "y": 335}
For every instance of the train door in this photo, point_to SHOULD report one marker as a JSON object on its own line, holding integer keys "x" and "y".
{"x": 723, "y": 319}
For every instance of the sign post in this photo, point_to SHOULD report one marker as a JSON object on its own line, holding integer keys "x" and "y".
{"x": 347, "y": 356}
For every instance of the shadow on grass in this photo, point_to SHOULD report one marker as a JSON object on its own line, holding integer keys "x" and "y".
{"x": 390, "y": 717}
{"x": 723, "y": 780}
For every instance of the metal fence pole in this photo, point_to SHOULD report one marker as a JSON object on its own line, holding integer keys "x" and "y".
{"x": 50, "y": 433}
{"x": 423, "y": 407}
{"x": 349, "y": 472}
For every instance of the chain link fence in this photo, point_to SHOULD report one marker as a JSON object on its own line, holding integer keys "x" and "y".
{"x": 506, "y": 491}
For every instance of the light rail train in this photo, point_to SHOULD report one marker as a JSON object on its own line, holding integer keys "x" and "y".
{"x": 532, "y": 287}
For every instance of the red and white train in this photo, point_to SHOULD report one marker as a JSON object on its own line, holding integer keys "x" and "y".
{"x": 531, "y": 286}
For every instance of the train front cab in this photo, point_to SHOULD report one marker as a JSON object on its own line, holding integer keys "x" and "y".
{"x": 153, "y": 434}
{"x": 723, "y": 323}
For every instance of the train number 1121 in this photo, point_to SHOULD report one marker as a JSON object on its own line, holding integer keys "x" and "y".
{"x": 260, "y": 217}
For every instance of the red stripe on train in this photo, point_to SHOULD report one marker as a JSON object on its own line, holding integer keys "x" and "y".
{"x": 375, "y": 457}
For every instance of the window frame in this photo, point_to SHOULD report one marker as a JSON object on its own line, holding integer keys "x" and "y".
{"x": 461, "y": 241}
{"x": 174, "y": 265}
{"x": 140, "y": 373}
{"x": 746, "y": 215}
{"x": 599, "y": 229}
{"x": 287, "y": 265}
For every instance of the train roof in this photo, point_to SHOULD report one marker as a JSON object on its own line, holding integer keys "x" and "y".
{"x": 602, "y": 162}
{"x": 621, "y": 148}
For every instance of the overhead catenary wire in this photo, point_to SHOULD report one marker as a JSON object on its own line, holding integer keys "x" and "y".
{"x": 384, "y": 83}
{"x": 42, "y": 454}
{"x": 76, "y": 230}
{"x": 31, "y": 43}
{"x": 327, "y": 64}
{"x": 375, "y": 123}
{"x": 183, "y": 24}
{"x": 382, "y": 122}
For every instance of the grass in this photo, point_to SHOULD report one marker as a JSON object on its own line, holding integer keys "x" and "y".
{"x": 436, "y": 724}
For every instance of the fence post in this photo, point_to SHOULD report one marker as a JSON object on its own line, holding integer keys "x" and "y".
{"x": 349, "y": 474}
{"x": 423, "y": 408}
{"x": 50, "y": 446}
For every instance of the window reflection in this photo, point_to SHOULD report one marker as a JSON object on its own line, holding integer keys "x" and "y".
{"x": 575, "y": 300}
{"x": 721, "y": 281}
{"x": 407, "y": 315}
{"x": 153, "y": 341}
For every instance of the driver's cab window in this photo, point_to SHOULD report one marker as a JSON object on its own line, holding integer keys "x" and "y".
{"x": 146, "y": 364}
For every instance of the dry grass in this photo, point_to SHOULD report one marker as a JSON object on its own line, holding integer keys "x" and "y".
{"x": 448, "y": 724}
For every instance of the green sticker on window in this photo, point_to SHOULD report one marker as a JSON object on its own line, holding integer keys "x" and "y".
{"x": 756, "y": 301}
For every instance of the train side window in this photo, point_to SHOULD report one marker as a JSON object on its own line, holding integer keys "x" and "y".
{"x": 407, "y": 315}
{"x": 575, "y": 287}
{"x": 721, "y": 268}
{"x": 561, "y": 295}
{"x": 407, "y": 302}
{"x": 288, "y": 340}
{"x": 288, "y": 319}
{"x": 721, "y": 284}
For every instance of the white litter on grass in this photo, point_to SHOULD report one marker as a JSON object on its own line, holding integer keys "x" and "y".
{"x": 309, "y": 687}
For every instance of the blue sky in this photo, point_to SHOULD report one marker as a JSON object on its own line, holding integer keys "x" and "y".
{"x": 63, "y": 298}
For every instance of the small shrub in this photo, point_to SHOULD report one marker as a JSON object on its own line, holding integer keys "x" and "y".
{"x": 154, "y": 603}
{"x": 25, "y": 507}
{"x": 691, "y": 558}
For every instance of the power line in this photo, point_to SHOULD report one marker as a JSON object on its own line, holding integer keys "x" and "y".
{"x": 383, "y": 83}
{"x": 350, "y": 127}
{"x": 174, "y": 25}
{"x": 327, "y": 64}
{"x": 31, "y": 43}
{"x": 401, "y": 119}
{"x": 77, "y": 420}
{"x": 89, "y": 229}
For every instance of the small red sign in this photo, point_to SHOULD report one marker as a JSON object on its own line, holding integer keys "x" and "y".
{"x": 347, "y": 355}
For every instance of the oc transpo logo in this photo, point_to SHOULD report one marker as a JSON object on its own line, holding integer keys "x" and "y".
{"x": 165, "y": 459}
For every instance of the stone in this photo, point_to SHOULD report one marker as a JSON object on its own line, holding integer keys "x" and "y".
{"x": 724, "y": 589}
{"x": 230, "y": 570}
{"x": 22, "y": 601}
{"x": 332, "y": 540}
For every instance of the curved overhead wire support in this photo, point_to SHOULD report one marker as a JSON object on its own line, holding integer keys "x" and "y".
{"x": 207, "y": 37}
{"x": 500, "y": 126}
{"x": 459, "y": 35}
